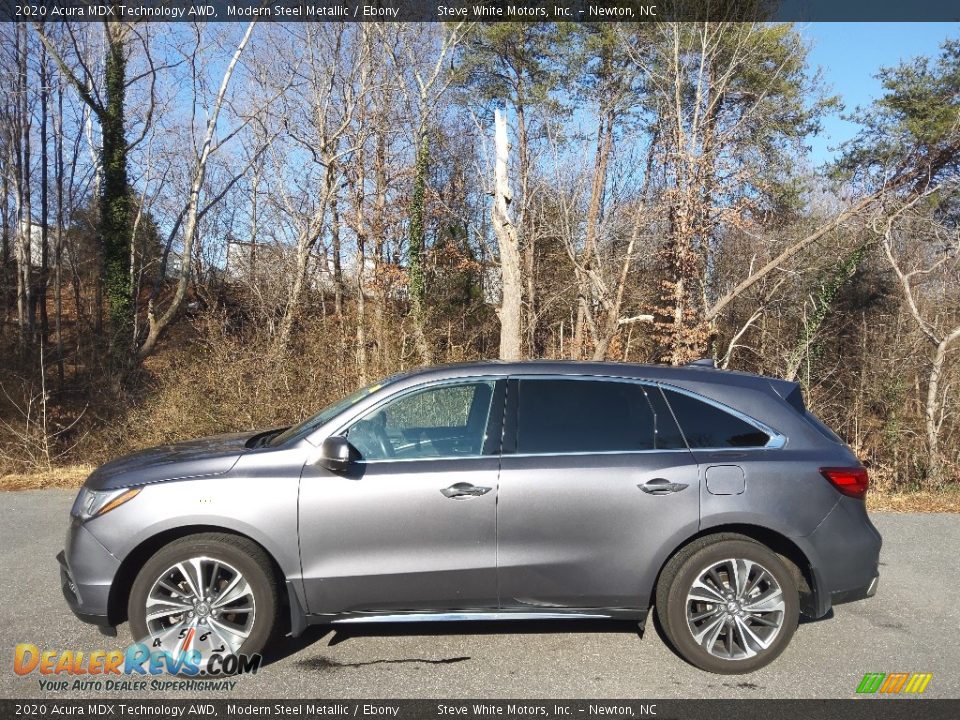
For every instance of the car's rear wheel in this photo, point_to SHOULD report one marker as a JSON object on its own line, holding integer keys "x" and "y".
{"x": 728, "y": 606}
{"x": 210, "y": 592}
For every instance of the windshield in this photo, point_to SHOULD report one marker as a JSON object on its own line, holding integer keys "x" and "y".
{"x": 325, "y": 415}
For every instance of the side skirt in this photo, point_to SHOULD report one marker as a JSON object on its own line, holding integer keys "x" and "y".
{"x": 354, "y": 618}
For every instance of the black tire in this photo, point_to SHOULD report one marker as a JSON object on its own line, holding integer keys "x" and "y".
{"x": 240, "y": 553}
{"x": 677, "y": 579}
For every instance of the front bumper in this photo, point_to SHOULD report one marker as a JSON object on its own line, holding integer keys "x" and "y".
{"x": 87, "y": 570}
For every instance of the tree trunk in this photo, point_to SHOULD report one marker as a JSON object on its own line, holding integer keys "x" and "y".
{"x": 932, "y": 419}
{"x": 527, "y": 239}
{"x": 379, "y": 242}
{"x": 58, "y": 241}
{"x": 416, "y": 247}
{"x": 361, "y": 233}
{"x": 337, "y": 261}
{"x": 25, "y": 306}
{"x": 511, "y": 304}
{"x": 44, "y": 201}
{"x": 114, "y": 199}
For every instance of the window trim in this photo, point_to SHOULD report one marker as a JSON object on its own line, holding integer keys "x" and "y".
{"x": 494, "y": 423}
{"x": 512, "y": 418}
{"x": 777, "y": 439}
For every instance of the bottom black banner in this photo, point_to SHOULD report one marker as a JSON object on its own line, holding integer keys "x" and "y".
{"x": 860, "y": 709}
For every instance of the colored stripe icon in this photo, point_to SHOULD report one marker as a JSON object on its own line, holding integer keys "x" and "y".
{"x": 894, "y": 683}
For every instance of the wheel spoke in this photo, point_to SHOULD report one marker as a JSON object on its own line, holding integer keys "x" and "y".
{"x": 740, "y": 570}
{"x": 715, "y": 578}
{"x": 237, "y": 589}
{"x": 155, "y": 599}
{"x": 747, "y": 631}
{"x": 703, "y": 616}
{"x": 770, "y": 601}
{"x": 761, "y": 574}
{"x": 708, "y": 633}
{"x": 754, "y": 618}
{"x": 167, "y": 636}
{"x": 232, "y": 636}
{"x": 704, "y": 593}
{"x": 174, "y": 591}
{"x": 211, "y": 587}
{"x": 744, "y": 642}
{"x": 167, "y": 612}
{"x": 729, "y": 642}
{"x": 193, "y": 576}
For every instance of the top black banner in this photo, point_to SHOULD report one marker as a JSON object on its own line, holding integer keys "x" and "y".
{"x": 592, "y": 11}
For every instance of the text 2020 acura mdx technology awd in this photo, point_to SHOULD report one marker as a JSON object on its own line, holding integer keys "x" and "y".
{"x": 490, "y": 491}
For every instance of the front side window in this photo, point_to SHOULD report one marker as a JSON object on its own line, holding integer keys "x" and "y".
{"x": 441, "y": 421}
{"x": 587, "y": 416}
{"x": 707, "y": 426}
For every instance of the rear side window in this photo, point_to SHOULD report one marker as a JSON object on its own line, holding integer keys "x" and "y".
{"x": 566, "y": 416}
{"x": 707, "y": 426}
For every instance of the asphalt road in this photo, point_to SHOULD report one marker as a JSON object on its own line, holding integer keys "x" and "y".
{"x": 912, "y": 625}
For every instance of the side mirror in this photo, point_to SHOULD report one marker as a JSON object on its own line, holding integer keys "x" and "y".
{"x": 337, "y": 454}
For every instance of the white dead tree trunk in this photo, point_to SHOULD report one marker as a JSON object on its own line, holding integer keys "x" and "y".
{"x": 157, "y": 324}
{"x": 941, "y": 340}
{"x": 506, "y": 232}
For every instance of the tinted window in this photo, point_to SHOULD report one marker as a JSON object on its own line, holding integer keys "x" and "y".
{"x": 441, "y": 421}
{"x": 563, "y": 416}
{"x": 707, "y": 426}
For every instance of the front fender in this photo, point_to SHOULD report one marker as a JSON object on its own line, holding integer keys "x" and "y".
{"x": 263, "y": 510}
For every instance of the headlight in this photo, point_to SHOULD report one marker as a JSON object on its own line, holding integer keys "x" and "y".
{"x": 90, "y": 503}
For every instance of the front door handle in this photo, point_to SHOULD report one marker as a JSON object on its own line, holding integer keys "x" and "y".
{"x": 462, "y": 489}
{"x": 661, "y": 486}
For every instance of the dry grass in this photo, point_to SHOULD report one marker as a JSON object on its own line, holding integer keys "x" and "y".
{"x": 71, "y": 476}
{"x": 947, "y": 501}
{"x": 923, "y": 501}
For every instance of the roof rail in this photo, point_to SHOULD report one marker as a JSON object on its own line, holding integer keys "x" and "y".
{"x": 703, "y": 362}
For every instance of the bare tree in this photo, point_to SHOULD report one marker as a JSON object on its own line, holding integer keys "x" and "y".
{"x": 940, "y": 332}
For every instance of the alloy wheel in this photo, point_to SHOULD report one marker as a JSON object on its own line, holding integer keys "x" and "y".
{"x": 200, "y": 604}
{"x": 735, "y": 609}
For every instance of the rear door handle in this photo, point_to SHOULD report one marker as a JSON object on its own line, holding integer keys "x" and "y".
{"x": 462, "y": 490}
{"x": 661, "y": 486}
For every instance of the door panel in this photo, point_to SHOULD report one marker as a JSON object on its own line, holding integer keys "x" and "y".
{"x": 596, "y": 488}
{"x": 412, "y": 525}
{"x": 390, "y": 540}
{"x": 577, "y": 531}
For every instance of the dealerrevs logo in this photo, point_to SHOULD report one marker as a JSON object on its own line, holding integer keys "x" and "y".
{"x": 137, "y": 659}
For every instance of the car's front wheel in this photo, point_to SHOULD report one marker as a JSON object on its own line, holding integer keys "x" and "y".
{"x": 728, "y": 605}
{"x": 211, "y": 592}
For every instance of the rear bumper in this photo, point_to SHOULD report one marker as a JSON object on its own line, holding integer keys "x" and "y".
{"x": 844, "y": 552}
{"x": 87, "y": 570}
{"x": 860, "y": 593}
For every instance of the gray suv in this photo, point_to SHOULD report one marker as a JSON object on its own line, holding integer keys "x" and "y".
{"x": 490, "y": 491}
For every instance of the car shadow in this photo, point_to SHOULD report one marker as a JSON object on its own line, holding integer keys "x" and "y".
{"x": 804, "y": 620}
{"x": 337, "y": 634}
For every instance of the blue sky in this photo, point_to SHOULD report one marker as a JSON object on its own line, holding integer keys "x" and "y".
{"x": 850, "y": 55}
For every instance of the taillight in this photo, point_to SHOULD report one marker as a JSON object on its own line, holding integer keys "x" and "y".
{"x": 852, "y": 481}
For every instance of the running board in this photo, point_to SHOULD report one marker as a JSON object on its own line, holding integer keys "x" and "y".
{"x": 467, "y": 616}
